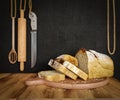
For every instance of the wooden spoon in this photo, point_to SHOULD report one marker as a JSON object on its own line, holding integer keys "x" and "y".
{"x": 13, "y": 55}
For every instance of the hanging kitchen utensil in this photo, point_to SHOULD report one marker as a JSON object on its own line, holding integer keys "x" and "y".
{"x": 108, "y": 28}
{"x": 22, "y": 36}
{"x": 33, "y": 21}
{"x": 13, "y": 55}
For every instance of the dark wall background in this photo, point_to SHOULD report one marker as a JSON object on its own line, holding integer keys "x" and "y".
{"x": 64, "y": 26}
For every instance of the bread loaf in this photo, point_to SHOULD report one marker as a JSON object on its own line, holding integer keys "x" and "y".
{"x": 59, "y": 67}
{"x": 51, "y": 75}
{"x": 96, "y": 65}
{"x": 66, "y": 57}
{"x": 75, "y": 70}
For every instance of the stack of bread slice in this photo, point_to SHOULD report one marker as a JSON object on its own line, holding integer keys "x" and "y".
{"x": 87, "y": 64}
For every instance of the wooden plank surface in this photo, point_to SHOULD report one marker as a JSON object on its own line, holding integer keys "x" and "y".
{"x": 12, "y": 86}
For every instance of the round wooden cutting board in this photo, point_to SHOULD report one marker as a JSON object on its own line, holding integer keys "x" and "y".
{"x": 69, "y": 83}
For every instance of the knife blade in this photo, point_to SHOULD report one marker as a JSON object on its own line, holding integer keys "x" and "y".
{"x": 33, "y": 48}
{"x": 33, "y": 32}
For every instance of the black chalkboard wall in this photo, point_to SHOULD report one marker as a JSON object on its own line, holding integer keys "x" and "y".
{"x": 64, "y": 26}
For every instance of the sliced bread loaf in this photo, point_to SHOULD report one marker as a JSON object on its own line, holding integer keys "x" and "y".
{"x": 96, "y": 65}
{"x": 59, "y": 67}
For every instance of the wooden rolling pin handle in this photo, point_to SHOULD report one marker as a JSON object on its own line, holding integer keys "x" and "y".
{"x": 21, "y": 66}
{"x": 22, "y": 13}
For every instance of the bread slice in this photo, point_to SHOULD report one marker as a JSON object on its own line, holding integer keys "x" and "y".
{"x": 96, "y": 65}
{"x": 59, "y": 67}
{"x": 51, "y": 75}
{"x": 76, "y": 70}
{"x": 66, "y": 57}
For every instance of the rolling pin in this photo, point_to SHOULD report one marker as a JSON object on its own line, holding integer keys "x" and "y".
{"x": 21, "y": 40}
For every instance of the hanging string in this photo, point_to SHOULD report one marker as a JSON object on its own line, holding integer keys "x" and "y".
{"x": 30, "y": 6}
{"x": 24, "y": 7}
{"x": 13, "y": 6}
{"x": 108, "y": 28}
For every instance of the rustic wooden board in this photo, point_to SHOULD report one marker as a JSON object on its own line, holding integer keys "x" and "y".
{"x": 69, "y": 83}
{"x": 12, "y": 86}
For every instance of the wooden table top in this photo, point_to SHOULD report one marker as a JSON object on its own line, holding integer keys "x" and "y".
{"x": 12, "y": 86}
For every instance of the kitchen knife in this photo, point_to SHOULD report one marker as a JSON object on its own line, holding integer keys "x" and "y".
{"x": 33, "y": 32}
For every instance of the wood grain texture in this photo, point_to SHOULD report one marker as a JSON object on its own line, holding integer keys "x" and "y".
{"x": 12, "y": 86}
